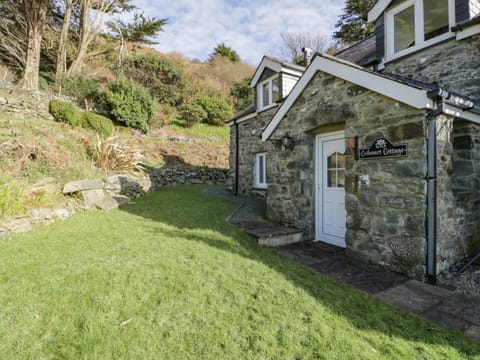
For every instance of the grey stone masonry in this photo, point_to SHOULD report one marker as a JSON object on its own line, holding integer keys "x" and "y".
{"x": 458, "y": 184}
{"x": 385, "y": 198}
{"x": 250, "y": 132}
{"x": 453, "y": 65}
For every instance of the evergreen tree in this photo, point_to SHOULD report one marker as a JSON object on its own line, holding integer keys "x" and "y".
{"x": 225, "y": 51}
{"x": 352, "y": 24}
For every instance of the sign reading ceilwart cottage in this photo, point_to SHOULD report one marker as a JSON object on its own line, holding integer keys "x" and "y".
{"x": 381, "y": 148}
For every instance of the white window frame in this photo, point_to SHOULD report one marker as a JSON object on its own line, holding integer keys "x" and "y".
{"x": 420, "y": 43}
{"x": 257, "y": 171}
{"x": 271, "y": 101}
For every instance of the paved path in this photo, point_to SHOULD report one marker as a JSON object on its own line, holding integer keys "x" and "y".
{"x": 444, "y": 307}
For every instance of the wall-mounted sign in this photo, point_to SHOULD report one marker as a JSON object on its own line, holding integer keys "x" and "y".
{"x": 382, "y": 147}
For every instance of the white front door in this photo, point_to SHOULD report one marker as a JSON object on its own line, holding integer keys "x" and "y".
{"x": 330, "y": 185}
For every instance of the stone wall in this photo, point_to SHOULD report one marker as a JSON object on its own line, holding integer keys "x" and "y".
{"x": 458, "y": 207}
{"x": 110, "y": 193}
{"x": 452, "y": 65}
{"x": 250, "y": 132}
{"x": 385, "y": 198}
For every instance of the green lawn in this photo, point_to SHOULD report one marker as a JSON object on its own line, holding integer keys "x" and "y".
{"x": 168, "y": 278}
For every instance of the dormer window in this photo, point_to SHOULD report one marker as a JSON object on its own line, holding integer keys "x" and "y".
{"x": 268, "y": 92}
{"x": 416, "y": 24}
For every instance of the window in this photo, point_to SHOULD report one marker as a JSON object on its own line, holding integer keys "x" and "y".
{"x": 336, "y": 170}
{"x": 260, "y": 175}
{"x": 416, "y": 24}
{"x": 269, "y": 92}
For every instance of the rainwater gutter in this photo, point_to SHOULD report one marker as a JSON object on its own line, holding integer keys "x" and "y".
{"x": 438, "y": 96}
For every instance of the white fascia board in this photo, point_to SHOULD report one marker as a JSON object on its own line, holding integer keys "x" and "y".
{"x": 406, "y": 94}
{"x": 290, "y": 71}
{"x": 470, "y": 31}
{"x": 265, "y": 63}
{"x": 378, "y": 10}
{"x": 462, "y": 114}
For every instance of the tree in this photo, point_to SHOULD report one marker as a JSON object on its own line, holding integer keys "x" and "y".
{"x": 225, "y": 51}
{"x": 61, "y": 66}
{"x": 294, "y": 42}
{"x": 35, "y": 12}
{"x": 13, "y": 30}
{"x": 92, "y": 18}
{"x": 352, "y": 24}
{"x": 141, "y": 30}
{"x": 163, "y": 79}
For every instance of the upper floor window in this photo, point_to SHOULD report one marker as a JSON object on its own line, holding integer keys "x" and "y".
{"x": 268, "y": 92}
{"x": 415, "y": 24}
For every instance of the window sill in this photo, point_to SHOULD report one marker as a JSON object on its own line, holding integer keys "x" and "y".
{"x": 426, "y": 45}
{"x": 260, "y": 187}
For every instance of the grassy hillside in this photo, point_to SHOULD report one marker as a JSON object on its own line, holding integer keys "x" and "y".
{"x": 38, "y": 156}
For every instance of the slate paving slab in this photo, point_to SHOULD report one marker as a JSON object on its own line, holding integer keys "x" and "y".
{"x": 414, "y": 296}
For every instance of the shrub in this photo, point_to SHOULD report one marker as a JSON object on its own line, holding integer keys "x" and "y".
{"x": 218, "y": 110}
{"x": 242, "y": 92}
{"x": 116, "y": 156}
{"x": 66, "y": 112}
{"x": 193, "y": 113}
{"x": 102, "y": 125}
{"x": 85, "y": 90}
{"x": 163, "y": 79}
{"x": 129, "y": 104}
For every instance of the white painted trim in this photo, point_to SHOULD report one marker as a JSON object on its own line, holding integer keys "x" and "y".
{"x": 256, "y": 183}
{"x": 265, "y": 63}
{"x": 319, "y": 139}
{"x": 462, "y": 114}
{"x": 356, "y": 75}
{"x": 378, "y": 10}
{"x": 274, "y": 65}
{"x": 420, "y": 43}
{"x": 468, "y": 32}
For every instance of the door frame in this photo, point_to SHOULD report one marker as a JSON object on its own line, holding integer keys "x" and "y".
{"x": 318, "y": 156}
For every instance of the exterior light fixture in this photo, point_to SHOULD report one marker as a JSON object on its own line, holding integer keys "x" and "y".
{"x": 285, "y": 143}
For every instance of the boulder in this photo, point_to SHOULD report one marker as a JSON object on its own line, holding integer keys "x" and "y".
{"x": 82, "y": 185}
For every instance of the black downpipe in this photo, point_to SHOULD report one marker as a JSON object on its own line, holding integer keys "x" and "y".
{"x": 237, "y": 152}
{"x": 432, "y": 185}
{"x": 432, "y": 199}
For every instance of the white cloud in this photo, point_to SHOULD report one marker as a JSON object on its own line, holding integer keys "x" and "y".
{"x": 251, "y": 28}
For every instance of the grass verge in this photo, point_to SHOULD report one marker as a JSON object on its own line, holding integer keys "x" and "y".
{"x": 166, "y": 277}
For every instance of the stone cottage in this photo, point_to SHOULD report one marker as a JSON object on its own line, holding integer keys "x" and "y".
{"x": 383, "y": 157}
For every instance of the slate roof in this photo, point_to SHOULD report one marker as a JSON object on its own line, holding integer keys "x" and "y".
{"x": 362, "y": 53}
{"x": 250, "y": 109}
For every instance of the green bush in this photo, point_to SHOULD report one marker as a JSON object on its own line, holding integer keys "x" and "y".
{"x": 218, "y": 110}
{"x": 66, "y": 112}
{"x": 193, "y": 113}
{"x": 102, "y": 125}
{"x": 129, "y": 104}
{"x": 85, "y": 90}
{"x": 164, "y": 80}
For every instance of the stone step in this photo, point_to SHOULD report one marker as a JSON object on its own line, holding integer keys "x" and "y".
{"x": 268, "y": 233}
{"x": 281, "y": 239}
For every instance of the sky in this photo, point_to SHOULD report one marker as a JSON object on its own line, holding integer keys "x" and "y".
{"x": 250, "y": 27}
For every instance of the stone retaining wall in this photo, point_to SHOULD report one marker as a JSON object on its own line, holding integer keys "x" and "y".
{"x": 110, "y": 193}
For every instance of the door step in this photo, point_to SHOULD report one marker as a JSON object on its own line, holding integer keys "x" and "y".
{"x": 270, "y": 234}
